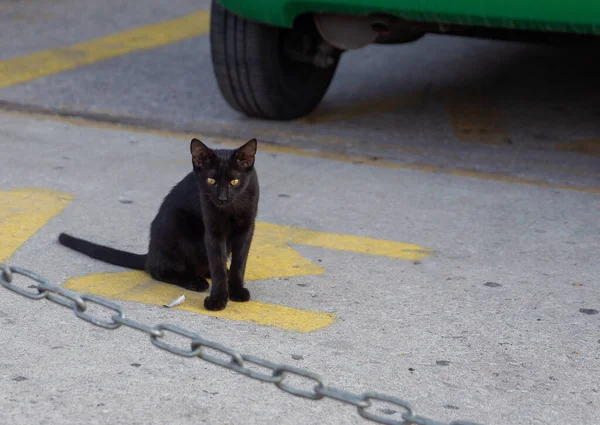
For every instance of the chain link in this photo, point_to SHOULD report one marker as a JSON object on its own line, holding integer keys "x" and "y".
{"x": 369, "y": 396}
{"x": 195, "y": 338}
{"x": 62, "y": 296}
{"x": 237, "y": 362}
{"x": 7, "y": 278}
{"x": 283, "y": 370}
{"x": 142, "y": 327}
{"x": 271, "y": 379}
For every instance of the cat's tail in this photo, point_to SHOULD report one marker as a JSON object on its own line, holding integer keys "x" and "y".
{"x": 104, "y": 253}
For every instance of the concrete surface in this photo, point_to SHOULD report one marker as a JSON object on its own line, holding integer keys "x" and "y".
{"x": 454, "y": 102}
{"x": 434, "y": 332}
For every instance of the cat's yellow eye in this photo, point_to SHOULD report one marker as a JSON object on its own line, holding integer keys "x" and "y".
{"x": 234, "y": 182}
{"x": 211, "y": 181}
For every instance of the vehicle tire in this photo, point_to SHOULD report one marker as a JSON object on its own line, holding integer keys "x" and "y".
{"x": 256, "y": 75}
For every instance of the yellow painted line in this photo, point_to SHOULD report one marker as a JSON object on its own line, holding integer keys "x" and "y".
{"x": 358, "y": 244}
{"x": 420, "y": 167}
{"x": 355, "y": 159}
{"x": 473, "y": 120}
{"x": 590, "y": 147}
{"x": 275, "y": 135}
{"x": 477, "y": 121}
{"x": 270, "y": 257}
{"x": 291, "y": 134}
{"x": 26, "y": 68}
{"x": 139, "y": 287}
{"x": 378, "y": 106}
{"x": 23, "y": 212}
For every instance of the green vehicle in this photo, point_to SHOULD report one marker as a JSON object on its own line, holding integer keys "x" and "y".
{"x": 275, "y": 59}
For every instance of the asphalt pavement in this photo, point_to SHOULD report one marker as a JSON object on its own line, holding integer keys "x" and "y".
{"x": 431, "y": 232}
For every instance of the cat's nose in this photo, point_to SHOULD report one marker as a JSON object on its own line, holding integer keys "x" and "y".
{"x": 222, "y": 198}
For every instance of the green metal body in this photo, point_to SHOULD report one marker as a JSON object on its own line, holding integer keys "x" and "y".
{"x": 574, "y": 16}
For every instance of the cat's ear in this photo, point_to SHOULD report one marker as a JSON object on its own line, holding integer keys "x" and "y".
{"x": 201, "y": 154}
{"x": 244, "y": 156}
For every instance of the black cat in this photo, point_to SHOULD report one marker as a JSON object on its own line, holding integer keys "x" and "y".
{"x": 206, "y": 217}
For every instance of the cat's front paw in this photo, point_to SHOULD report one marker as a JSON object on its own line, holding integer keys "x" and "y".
{"x": 239, "y": 295}
{"x": 216, "y": 302}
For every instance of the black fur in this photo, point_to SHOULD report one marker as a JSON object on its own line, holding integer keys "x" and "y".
{"x": 198, "y": 226}
{"x": 104, "y": 253}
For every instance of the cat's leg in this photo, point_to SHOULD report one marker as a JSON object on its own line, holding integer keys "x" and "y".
{"x": 216, "y": 250}
{"x": 240, "y": 244}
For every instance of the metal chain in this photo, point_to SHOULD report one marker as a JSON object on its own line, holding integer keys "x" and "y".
{"x": 237, "y": 362}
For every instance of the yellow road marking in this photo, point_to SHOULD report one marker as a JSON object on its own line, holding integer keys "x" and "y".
{"x": 23, "y": 212}
{"x": 276, "y": 135}
{"x": 139, "y": 287}
{"x": 26, "y": 68}
{"x": 270, "y": 257}
{"x": 355, "y": 159}
{"x": 363, "y": 245}
{"x": 590, "y": 146}
{"x": 290, "y": 135}
{"x": 378, "y": 106}
{"x": 476, "y": 121}
{"x": 505, "y": 178}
